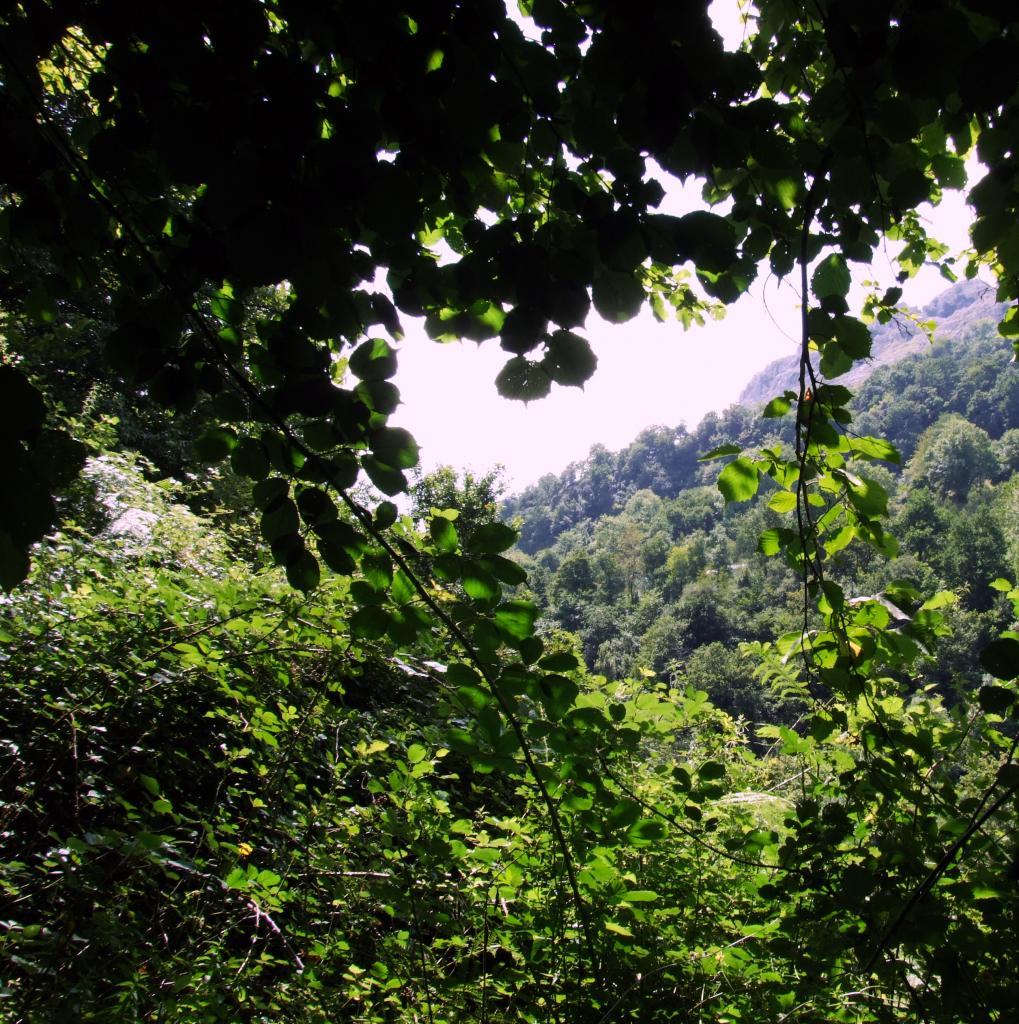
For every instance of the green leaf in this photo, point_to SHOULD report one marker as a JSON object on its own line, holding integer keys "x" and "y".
{"x": 853, "y": 337}
{"x": 834, "y": 361}
{"x": 382, "y": 396}
{"x": 868, "y": 497}
{"x": 996, "y": 699}
{"x": 302, "y": 571}
{"x": 377, "y": 569}
{"x": 779, "y": 406}
{"x": 523, "y": 379}
{"x": 618, "y": 929}
{"x": 443, "y": 533}
{"x": 569, "y": 360}
{"x": 505, "y": 570}
{"x": 369, "y": 622}
{"x": 721, "y": 451}
{"x": 771, "y": 542}
{"x": 645, "y": 831}
{"x": 831, "y": 277}
{"x": 215, "y": 444}
{"x": 875, "y": 448}
{"x": 617, "y": 297}
{"x": 557, "y": 695}
{"x": 516, "y": 619}
{"x": 560, "y": 662}
{"x": 387, "y": 479}
{"x": 315, "y": 506}
{"x": 492, "y": 538}
{"x": 394, "y": 446}
{"x": 841, "y": 540}
{"x": 782, "y": 501}
{"x": 279, "y": 519}
{"x": 249, "y": 459}
{"x": 373, "y": 360}
{"x": 639, "y": 896}
{"x": 479, "y": 585}
{"x": 1001, "y": 658}
{"x": 739, "y": 480}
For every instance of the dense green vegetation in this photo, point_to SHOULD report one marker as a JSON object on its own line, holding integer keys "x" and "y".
{"x": 272, "y": 749}
{"x": 638, "y": 553}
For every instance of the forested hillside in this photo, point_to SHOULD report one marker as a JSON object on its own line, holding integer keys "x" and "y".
{"x": 655, "y": 573}
{"x": 289, "y": 735}
{"x": 963, "y": 369}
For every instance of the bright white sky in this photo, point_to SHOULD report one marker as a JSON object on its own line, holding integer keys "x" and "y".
{"x": 648, "y": 373}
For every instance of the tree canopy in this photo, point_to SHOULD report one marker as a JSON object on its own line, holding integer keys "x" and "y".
{"x": 235, "y": 198}
{"x": 212, "y": 219}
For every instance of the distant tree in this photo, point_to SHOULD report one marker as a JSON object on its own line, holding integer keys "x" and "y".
{"x": 951, "y": 457}
{"x": 474, "y": 498}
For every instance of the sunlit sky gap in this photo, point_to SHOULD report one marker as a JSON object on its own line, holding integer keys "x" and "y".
{"x": 648, "y": 373}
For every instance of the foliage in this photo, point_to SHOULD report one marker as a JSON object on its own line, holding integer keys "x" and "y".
{"x": 379, "y": 790}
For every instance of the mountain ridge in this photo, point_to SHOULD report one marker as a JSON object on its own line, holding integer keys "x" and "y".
{"x": 891, "y": 342}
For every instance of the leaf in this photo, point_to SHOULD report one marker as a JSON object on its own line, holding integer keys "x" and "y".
{"x": 215, "y": 444}
{"x": 504, "y": 570}
{"x": 387, "y": 479}
{"x": 645, "y": 831}
{"x": 443, "y": 533}
{"x": 853, "y": 337}
{"x": 739, "y": 480}
{"x": 369, "y": 622}
{"x": 721, "y": 451}
{"x": 315, "y": 506}
{"x": 523, "y": 380}
{"x": 380, "y": 395}
{"x": 772, "y": 541}
{"x": 377, "y": 569}
{"x": 569, "y": 360}
{"x": 996, "y": 699}
{"x": 303, "y": 571}
{"x": 1001, "y": 658}
{"x": 618, "y": 929}
{"x": 875, "y": 448}
{"x": 394, "y": 446}
{"x": 560, "y": 662}
{"x": 249, "y": 459}
{"x": 480, "y": 585}
{"x": 492, "y": 538}
{"x": 868, "y": 497}
{"x": 831, "y": 277}
{"x": 834, "y": 362}
{"x": 617, "y": 297}
{"x": 373, "y": 360}
{"x": 557, "y": 695}
{"x": 624, "y": 813}
{"x": 840, "y": 540}
{"x": 778, "y": 406}
{"x": 516, "y": 618}
{"x": 279, "y": 519}
{"x": 639, "y": 896}
{"x": 782, "y": 501}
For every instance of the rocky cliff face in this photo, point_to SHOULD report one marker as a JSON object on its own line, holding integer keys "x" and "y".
{"x": 955, "y": 308}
